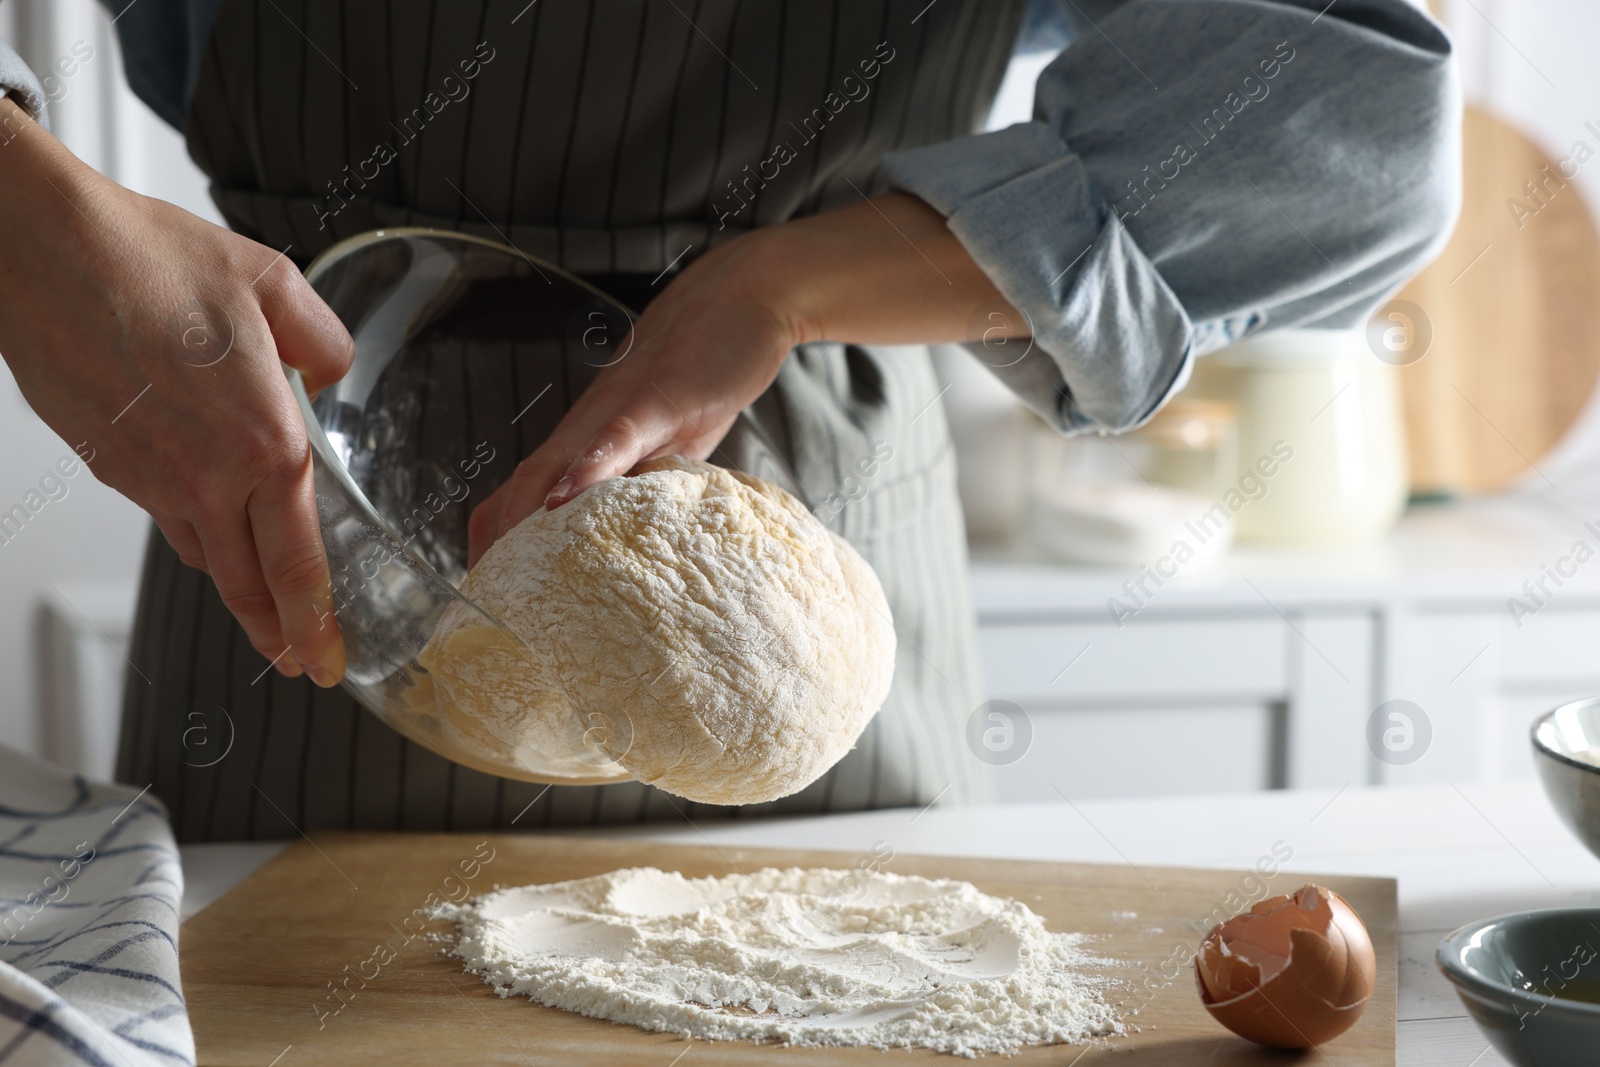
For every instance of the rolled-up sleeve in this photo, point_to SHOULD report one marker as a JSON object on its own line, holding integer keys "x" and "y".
{"x": 1198, "y": 170}
{"x": 20, "y": 84}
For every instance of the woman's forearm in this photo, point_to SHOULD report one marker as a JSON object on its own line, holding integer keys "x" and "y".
{"x": 883, "y": 271}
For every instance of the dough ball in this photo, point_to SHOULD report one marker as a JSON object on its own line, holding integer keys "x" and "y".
{"x": 696, "y": 625}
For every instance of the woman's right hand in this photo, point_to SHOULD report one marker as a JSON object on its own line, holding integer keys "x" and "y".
{"x": 149, "y": 339}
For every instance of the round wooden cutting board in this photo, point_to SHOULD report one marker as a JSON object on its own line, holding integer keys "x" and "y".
{"x": 1513, "y": 303}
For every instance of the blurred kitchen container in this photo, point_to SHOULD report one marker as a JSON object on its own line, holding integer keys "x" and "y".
{"x": 1126, "y": 499}
{"x": 1337, "y": 406}
{"x": 989, "y": 427}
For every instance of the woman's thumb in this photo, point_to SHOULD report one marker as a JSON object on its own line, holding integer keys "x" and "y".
{"x": 309, "y": 336}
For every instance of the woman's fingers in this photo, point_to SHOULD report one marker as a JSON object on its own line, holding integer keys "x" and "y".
{"x": 281, "y": 513}
{"x": 234, "y": 568}
{"x": 524, "y": 492}
{"x": 283, "y": 526}
{"x": 636, "y": 425}
{"x": 620, "y": 443}
{"x": 706, "y": 347}
{"x": 483, "y": 525}
{"x": 180, "y": 534}
{"x": 578, "y": 455}
{"x": 267, "y": 561}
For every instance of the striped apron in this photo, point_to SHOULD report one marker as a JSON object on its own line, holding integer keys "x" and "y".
{"x": 619, "y": 139}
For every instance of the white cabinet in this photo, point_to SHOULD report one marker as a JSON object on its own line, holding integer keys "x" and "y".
{"x": 1157, "y": 706}
{"x": 1482, "y": 681}
{"x": 1076, "y": 661}
{"x": 1187, "y": 701}
{"x": 1145, "y": 751}
{"x": 1390, "y": 663}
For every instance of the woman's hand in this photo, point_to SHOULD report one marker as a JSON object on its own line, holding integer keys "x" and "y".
{"x": 149, "y": 340}
{"x": 885, "y": 271}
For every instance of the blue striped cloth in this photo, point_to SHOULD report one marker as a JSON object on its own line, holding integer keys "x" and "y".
{"x": 89, "y": 892}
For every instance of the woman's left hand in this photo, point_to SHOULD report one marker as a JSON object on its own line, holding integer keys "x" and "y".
{"x": 885, "y": 271}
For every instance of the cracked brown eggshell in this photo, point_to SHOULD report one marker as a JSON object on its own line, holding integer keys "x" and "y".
{"x": 698, "y": 626}
{"x": 1292, "y": 972}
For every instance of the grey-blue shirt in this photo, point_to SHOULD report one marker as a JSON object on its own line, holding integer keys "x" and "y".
{"x": 1195, "y": 171}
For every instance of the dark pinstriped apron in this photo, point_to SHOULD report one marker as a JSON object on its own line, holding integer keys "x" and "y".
{"x": 617, "y": 138}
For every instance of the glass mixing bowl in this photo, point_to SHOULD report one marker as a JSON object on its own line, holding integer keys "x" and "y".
{"x": 460, "y": 344}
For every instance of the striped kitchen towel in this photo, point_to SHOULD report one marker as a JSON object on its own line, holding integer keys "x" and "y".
{"x": 89, "y": 891}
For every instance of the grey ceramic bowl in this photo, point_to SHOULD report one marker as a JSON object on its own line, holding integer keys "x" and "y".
{"x": 1561, "y": 740}
{"x": 1520, "y": 977}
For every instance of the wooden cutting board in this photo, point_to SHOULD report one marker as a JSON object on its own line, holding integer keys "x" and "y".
{"x": 260, "y": 964}
{"x": 1513, "y": 303}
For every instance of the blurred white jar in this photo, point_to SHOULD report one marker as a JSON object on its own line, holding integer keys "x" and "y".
{"x": 988, "y": 425}
{"x": 1129, "y": 498}
{"x": 1336, "y": 406}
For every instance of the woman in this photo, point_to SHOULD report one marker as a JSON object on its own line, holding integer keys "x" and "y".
{"x": 792, "y": 188}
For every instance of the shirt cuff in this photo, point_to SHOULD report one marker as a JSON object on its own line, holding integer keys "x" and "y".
{"x": 1111, "y": 341}
{"x": 19, "y": 83}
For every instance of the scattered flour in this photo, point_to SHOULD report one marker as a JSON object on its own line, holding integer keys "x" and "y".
{"x": 806, "y": 957}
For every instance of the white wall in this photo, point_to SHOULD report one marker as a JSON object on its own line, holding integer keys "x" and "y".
{"x": 90, "y": 543}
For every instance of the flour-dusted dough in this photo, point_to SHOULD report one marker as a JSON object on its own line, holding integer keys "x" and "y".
{"x": 710, "y": 635}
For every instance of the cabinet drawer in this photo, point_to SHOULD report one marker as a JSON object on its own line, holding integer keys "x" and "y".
{"x": 1551, "y": 646}
{"x": 1079, "y": 663}
{"x": 1133, "y": 752}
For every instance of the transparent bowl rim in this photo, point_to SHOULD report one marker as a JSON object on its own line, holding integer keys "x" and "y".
{"x": 319, "y": 438}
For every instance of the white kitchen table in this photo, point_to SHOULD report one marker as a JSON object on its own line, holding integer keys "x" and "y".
{"x": 1459, "y": 852}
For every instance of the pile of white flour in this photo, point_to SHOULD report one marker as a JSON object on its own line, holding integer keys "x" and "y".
{"x": 807, "y": 957}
